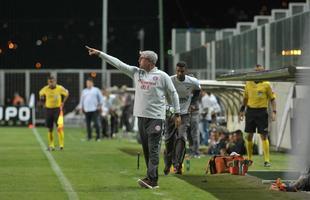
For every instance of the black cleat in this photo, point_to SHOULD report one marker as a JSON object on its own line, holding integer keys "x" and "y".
{"x": 267, "y": 164}
{"x": 50, "y": 149}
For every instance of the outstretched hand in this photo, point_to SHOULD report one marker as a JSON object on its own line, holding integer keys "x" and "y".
{"x": 92, "y": 51}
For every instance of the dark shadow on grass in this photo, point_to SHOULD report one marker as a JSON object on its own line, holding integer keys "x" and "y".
{"x": 113, "y": 188}
{"x": 273, "y": 175}
{"x": 226, "y": 186}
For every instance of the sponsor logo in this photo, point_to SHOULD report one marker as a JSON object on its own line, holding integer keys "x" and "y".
{"x": 155, "y": 78}
{"x": 11, "y": 115}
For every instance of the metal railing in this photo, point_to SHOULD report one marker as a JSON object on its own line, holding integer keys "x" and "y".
{"x": 26, "y": 82}
{"x": 275, "y": 41}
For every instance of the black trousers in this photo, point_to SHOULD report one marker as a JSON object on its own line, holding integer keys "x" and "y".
{"x": 175, "y": 141}
{"x": 105, "y": 127}
{"x": 113, "y": 123}
{"x": 52, "y": 115}
{"x": 92, "y": 117}
{"x": 150, "y": 132}
{"x": 126, "y": 115}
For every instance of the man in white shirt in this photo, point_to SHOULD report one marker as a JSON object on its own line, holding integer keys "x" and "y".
{"x": 188, "y": 89}
{"x": 206, "y": 110}
{"x": 109, "y": 118}
{"x": 90, "y": 104}
{"x": 151, "y": 87}
{"x": 216, "y": 107}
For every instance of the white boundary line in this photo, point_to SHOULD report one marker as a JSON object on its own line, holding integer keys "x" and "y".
{"x": 66, "y": 185}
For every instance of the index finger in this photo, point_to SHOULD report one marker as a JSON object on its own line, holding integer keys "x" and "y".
{"x": 87, "y": 47}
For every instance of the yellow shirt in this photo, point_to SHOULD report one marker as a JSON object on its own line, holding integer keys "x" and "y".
{"x": 53, "y": 96}
{"x": 259, "y": 94}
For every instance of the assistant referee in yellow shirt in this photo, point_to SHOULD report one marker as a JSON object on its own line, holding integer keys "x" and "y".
{"x": 257, "y": 95}
{"x": 53, "y": 96}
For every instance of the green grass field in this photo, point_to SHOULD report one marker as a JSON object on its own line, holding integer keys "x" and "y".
{"x": 108, "y": 170}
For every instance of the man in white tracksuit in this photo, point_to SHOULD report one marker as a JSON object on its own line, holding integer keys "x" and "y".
{"x": 188, "y": 89}
{"x": 151, "y": 87}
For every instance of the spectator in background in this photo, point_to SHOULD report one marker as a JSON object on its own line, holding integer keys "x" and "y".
{"x": 206, "y": 110}
{"x": 115, "y": 101}
{"x": 90, "y": 104}
{"x": 216, "y": 109}
{"x": 105, "y": 113}
{"x": 223, "y": 139}
{"x": 230, "y": 142}
{"x": 110, "y": 112}
{"x": 238, "y": 145}
{"x": 213, "y": 148}
{"x": 127, "y": 106}
{"x": 18, "y": 100}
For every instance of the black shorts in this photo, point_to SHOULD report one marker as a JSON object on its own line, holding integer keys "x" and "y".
{"x": 52, "y": 115}
{"x": 256, "y": 118}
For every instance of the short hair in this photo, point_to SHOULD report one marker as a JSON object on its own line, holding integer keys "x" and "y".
{"x": 51, "y": 77}
{"x": 259, "y": 65}
{"x": 90, "y": 79}
{"x": 181, "y": 64}
{"x": 239, "y": 132}
{"x": 150, "y": 55}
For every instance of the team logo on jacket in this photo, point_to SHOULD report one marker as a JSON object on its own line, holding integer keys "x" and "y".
{"x": 155, "y": 78}
{"x": 157, "y": 128}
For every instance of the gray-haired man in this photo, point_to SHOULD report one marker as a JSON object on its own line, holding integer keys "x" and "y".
{"x": 151, "y": 87}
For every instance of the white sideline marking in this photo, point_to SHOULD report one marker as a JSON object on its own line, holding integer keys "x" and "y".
{"x": 66, "y": 185}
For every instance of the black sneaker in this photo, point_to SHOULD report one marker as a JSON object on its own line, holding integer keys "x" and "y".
{"x": 154, "y": 184}
{"x": 61, "y": 148}
{"x": 147, "y": 183}
{"x": 267, "y": 164}
{"x": 142, "y": 181}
